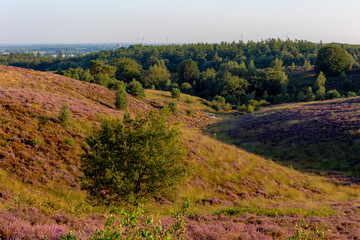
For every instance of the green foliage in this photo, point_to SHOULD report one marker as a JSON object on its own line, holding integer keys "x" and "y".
{"x": 175, "y": 93}
{"x": 127, "y": 70}
{"x": 98, "y": 66}
{"x": 320, "y": 93}
{"x": 235, "y": 87}
{"x": 121, "y": 99}
{"x": 309, "y": 95}
{"x": 136, "y": 225}
{"x": 188, "y": 100}
{"x": 219, "y": 104}
{"x": 173, "y": 107}
{"x": 38, "y": 141}
{"x": 307, "y": 65}
{"x": 134, "y": 159}
{"x": 188, "y": 71}
{"x": 157, "y": 75}
{"x": 320, "y": 81}
{"x": 304, "y": 232}
{"x": 332, "y": 60}
{"x": 332, "y": 94}
{"x": 186, "y": 88}
{"x": 64, "y": 115}
{"x": 189, "y": 112}
{"x": 136, "y": 89}
{"x": 351, "y": 94}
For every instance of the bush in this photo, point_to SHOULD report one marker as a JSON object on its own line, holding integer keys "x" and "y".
{"x": 132, "y": 160}
{"x": 135, "y": 225}
{"x": 351, "y": 94}
{"x": 189, "y": 112}
{"x": 136, "y": 89}
{"x": 175, "y": 93}
{"x": 332, "y": 94}
{"x": 173, "y": 107}
{"x": 121, "y": 99}
{"x": 65, "y": 115}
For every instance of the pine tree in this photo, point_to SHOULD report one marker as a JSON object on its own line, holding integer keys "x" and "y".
{"x": 64, "y": 115}
{"x": 121, "y": 100}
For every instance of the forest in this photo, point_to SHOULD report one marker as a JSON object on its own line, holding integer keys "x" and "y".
{"x": 244, "y": 75}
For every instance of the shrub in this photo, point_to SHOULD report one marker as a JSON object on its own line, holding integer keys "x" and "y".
{"x": 121, "y": 100}
{"x": 136, "y": 89}
{"x": 175, "y": 93}
{"x": 351, "y": 94}
{"x": 173, "y": 107}
{"x": 135, "y": 225}
{"x": 64, "y": 115}
{"x": 332, "y": 94}
{"x": 132, "y": 160}
{"x": 188, "y": 100}
{"x": 38, "y": 141}
{"x": 189, "y": 112}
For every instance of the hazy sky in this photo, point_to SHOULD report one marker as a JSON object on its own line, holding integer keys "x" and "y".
{"x": 90, "y": 21}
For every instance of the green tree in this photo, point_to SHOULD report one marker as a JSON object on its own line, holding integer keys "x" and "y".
{"x": 127, "y": 70}
{"x": 309, "y": 94}
{"x": 136, "y": 89}
{"x": 188, "y": 72}
{"x": 307, "y": 65}
{"x": 121, "y": 99}
{"x": 235, "y": 87}
{"x": 320, "y": 81}
{"x": 157, "y": 75}
{"x": 175, "y": 93}
{"x": 320, "y": 93}
{"x": 332, "y": 60}
{"x": 64, "y": 115}
{"x": 98, "y": 66}
{"x": 134, "y": 159}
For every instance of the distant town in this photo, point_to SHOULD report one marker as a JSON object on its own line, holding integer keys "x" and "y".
{"x": 60, "y": 50}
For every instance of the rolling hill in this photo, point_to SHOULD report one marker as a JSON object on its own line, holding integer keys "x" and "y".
{"x": 40, "y": 173}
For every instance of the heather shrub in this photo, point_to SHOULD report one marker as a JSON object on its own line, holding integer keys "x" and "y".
{"x": 188, "y": 100}
{"x": 189, "y": 112}
{"x": 134, "y": 159}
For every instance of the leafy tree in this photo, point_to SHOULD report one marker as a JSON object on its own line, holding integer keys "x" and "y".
{"x": 175, "y": 93}
{"x": 332, "y": 60}
{"x": 134, "y": 159}
{"x": 98, "y": 66}
{"x": 127, "y": 70}
{"x": 136, "y": 89}
{"x": 188, "y": 72}
{"x": 121, "y": 99}
{"x": 186, "y": 88}
{"x": 157, "y": 75}
{"x": 235, "y": 87}
{"x": 65, "y": 115}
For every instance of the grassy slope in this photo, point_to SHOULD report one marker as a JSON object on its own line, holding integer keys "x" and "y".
{"x": 44, "y": 175}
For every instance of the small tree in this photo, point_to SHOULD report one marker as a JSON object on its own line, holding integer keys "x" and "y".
{"x": 307, "y": 65}
{"x": 133, "y": 159}
{"x": 121, "y": 100}
{"x": 64, "y": 115}
{"x": 136, "y": 89}
{"x": 175, "y": 93}
{"x": 320, "y": 81}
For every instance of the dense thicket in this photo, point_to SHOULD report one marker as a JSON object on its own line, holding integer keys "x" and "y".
{"x": 272, "y": 70}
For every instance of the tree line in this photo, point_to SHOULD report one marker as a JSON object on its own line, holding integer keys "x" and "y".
{"x": 240, "y": 73}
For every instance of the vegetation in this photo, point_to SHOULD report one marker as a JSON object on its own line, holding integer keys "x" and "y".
{"x": 64, "y": 115}
{"x": 332, "y": 60}
{"x": 136, "y": 89}
{"x": 134, "y": 159}
{"x": 121, "y": 99}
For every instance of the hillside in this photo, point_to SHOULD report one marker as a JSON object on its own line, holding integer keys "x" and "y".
{"x": 40, "y": 187}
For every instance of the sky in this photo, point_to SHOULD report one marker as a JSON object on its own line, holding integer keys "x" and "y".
{"x": 170, "y": 21}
